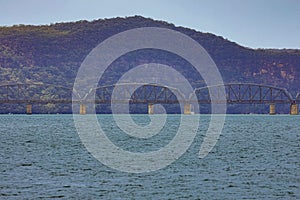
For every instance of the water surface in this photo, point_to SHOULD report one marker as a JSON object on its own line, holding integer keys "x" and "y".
{"x": 256, "y": 157}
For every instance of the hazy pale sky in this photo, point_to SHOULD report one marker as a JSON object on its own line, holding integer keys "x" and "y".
{"x": 251, "y": 23}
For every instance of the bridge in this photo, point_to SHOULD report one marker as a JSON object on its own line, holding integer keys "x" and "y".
{"x": 151, "y": 94}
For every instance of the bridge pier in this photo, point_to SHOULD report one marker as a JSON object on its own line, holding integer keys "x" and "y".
{"x": 187, "y": 109}
{"x": 294, "y": 109}
{"x": 28, "y": 109}
{"x": 82, "y": 109}
{"x": 272, "y": 109}
{"x": 150, "y": 108}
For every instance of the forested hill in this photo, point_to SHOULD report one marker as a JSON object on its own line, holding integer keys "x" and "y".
{"x": 53, "y": 53}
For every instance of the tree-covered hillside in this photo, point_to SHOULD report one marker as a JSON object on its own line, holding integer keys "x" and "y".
{"x": 53, "y": 54}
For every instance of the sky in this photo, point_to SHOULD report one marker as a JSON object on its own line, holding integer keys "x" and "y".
{"x": 250, "y": 23}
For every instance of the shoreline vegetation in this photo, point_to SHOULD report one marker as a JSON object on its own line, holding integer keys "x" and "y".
{"x": 52, "y": 54}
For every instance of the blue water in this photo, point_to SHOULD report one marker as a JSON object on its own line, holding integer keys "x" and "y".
{"x": 256, "y": 157}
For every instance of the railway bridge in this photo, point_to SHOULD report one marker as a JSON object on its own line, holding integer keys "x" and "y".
{"x": 150, "y": 94}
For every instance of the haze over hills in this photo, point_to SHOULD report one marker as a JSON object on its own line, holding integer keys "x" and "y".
{"x": 53, "y": 54}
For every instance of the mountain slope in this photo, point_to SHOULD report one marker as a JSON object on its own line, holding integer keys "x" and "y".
{"x": 53, "y": 54}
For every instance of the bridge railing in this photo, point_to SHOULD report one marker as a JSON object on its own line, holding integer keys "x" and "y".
{"x": 243, "y": 93}
{"x": 34, "y": 93}
{"x": 144, "y": 93}
{"x": 135, "y": 93}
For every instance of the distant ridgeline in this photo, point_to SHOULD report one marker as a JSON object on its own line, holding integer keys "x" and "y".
{"x": 53, "y": 53}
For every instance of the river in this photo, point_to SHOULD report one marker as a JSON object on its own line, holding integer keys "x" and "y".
{"x": 256, "y": 157}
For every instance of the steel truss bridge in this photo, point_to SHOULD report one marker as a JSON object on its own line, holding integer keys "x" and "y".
{"x": 138, "y": 93}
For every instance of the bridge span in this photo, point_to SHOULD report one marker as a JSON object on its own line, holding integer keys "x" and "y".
{"x": 151, "y": 94}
